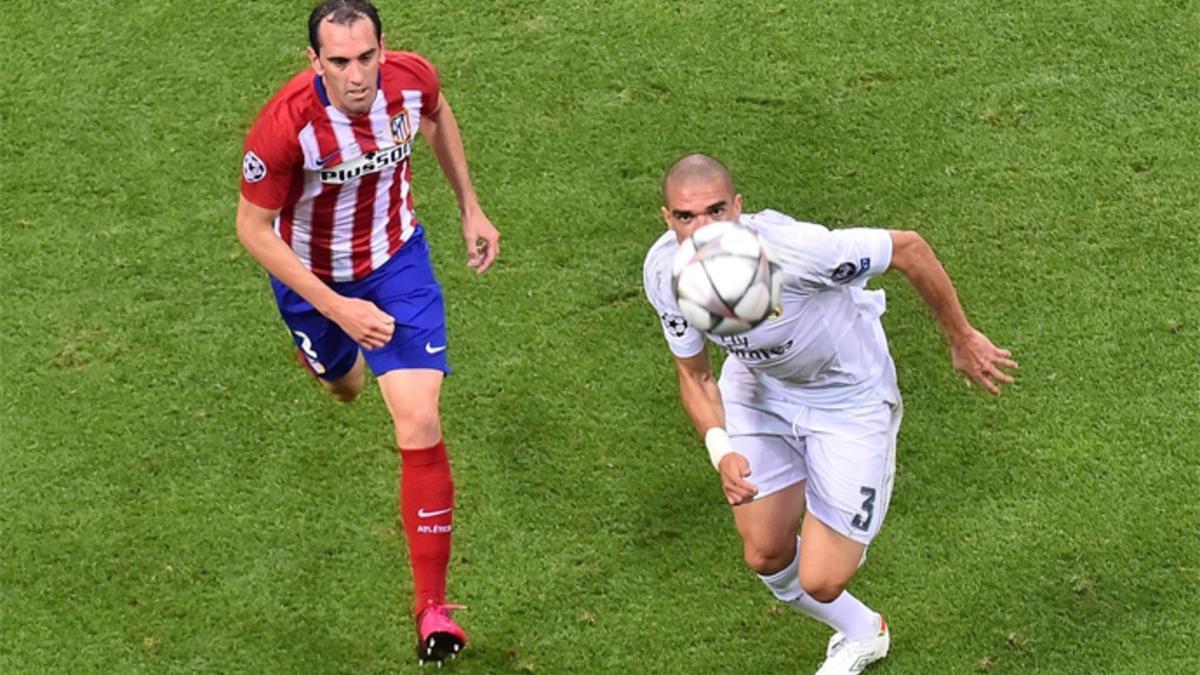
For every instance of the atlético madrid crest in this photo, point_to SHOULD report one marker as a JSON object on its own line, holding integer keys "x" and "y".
{"x": 401, "y": 129}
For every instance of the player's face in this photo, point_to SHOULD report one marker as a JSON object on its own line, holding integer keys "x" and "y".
{"x": 349, "y": 64}
{"x": 694, "y": 204}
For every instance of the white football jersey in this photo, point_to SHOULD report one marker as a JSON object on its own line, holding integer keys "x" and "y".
{"x": 825, "y": 345}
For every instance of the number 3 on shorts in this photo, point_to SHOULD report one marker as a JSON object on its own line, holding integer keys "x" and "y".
{"x": 868, "y": 506}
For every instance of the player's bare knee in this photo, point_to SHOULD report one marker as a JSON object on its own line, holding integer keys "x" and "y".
{"x": 765, "y": 560}
{"x": 822, "y": 588}
{"x": 418, "y": 428}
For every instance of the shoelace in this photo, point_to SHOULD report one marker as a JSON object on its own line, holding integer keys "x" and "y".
{"x": 837, "y": 647}
{"x": 446, "y": 608}
{"x": 443, "y": 610}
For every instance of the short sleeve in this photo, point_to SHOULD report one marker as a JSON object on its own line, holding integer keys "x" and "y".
{"x": 856, "y": 255}
{"x": 269, "y": 161}
{"x": 426, "y": 80}
{"x": 683, "y": 339}
{"x": 818, "y": 257}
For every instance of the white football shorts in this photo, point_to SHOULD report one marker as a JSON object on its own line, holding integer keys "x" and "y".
{"x": 847, "y": 457}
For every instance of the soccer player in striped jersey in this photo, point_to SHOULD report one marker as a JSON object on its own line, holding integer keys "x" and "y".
{"x": 326, "y": 207}
{"x": 802, "y": 424}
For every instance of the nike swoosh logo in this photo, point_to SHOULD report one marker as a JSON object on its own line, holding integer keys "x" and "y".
{"x": 430, "y": 349}
{"x": 422, "y": 513}
{"x": 326, "y": 158}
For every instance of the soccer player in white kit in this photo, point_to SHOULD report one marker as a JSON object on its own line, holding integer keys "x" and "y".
{"x": 802, "y": 424}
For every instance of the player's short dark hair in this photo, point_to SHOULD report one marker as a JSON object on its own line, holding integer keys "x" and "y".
{"x": 344, "y": 12}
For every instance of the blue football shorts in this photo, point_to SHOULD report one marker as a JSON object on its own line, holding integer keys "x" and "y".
{"x": 406, "y": 288}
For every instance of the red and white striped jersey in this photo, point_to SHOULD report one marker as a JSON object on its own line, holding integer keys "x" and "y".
{"x": 343, "y": 185}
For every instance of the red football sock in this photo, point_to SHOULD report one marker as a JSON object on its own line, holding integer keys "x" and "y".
{"x": 427, "y": 511}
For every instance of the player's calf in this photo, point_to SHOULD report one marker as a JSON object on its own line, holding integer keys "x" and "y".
{"x": 345, "y": 391}
{"x": 345, "y": 388}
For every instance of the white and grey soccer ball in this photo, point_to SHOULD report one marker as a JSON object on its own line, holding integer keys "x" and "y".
{"x": 725, "y": 280}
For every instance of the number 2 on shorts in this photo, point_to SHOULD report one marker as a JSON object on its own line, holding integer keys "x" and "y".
{"x": 306, "y": 345}
{"x": 868, "y": 506}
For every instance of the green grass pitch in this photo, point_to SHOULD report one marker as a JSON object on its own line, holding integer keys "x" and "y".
{"x": 176, "y": 496}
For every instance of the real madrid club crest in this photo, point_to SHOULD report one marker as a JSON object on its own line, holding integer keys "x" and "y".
{"x": 776, "y": 313}
{"x": 401, "y": 128}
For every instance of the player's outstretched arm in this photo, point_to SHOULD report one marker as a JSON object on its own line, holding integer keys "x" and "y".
{"x": 362, "y": 320}
{"x": 445, "y": 139}
{"x": 702, "y": 401}
{"x": 972, "y": 353}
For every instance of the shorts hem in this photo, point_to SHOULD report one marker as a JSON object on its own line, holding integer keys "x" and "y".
{"x": 858, "y": 536}
{"x": 445, "y": 369}
{"x": 780, "y": 488}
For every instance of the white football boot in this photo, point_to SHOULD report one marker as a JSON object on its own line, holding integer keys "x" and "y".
{"x": 850, "y": 657}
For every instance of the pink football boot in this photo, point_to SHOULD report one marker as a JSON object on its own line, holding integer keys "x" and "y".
{"x": 438, "y": 637}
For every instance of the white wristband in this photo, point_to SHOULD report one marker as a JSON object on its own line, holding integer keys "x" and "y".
{"x": 717, "y": 442}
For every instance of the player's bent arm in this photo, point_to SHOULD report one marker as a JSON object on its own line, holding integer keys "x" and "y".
{"x": 971, "y": 352}
{"x": 482, "y": 239}
{"x": 255, "y": 229}
{"x": 441, "y": 132}
{"x": 915, "y": 259}
{"x": 699, "y": 392}
{"x": 702, "y": 401}
{"x": 365, "y": 323}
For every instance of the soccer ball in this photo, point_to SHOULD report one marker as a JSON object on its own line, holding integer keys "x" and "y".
{"x": 725, "y": 280}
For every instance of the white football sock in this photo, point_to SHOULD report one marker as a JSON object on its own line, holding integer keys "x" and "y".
{"x": 785, "y": 583}
{"x": 845, "y": 613}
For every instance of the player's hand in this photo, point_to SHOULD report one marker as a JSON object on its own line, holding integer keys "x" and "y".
{"x": 981, "y": 361}
{"x": 365, "y": 323}
{"x": 734, "y": 468}
{"x": 483, "y": 241}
